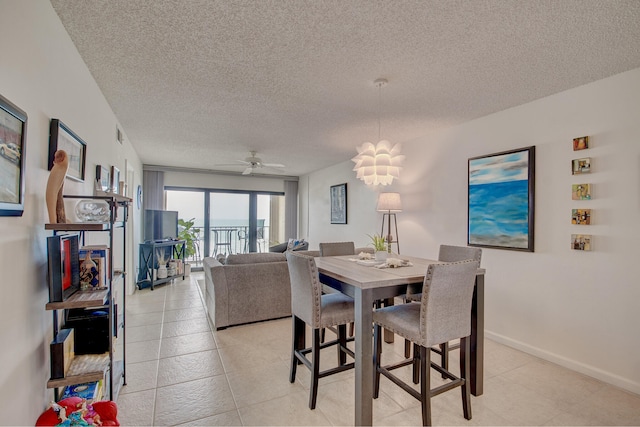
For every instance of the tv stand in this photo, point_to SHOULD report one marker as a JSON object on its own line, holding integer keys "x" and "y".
{"x": 148, "y": 256}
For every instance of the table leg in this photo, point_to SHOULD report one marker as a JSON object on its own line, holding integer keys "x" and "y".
{"x": 477, "y": 338}
{"x": 364, "y": 358}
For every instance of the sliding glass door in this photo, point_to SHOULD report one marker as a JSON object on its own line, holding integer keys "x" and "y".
{"x": 230, "y": 221}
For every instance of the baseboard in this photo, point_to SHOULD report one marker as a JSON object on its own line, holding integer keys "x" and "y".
{"x": 574, "y": 365}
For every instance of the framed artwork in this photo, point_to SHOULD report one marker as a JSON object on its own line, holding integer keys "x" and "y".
{"x": 64, "y": 266}
{"x": 581, "y": 192}
{"x": 63, "y": 138}
{"x": 581, "y": 242}
{"x": 13, "y": 140}
{"x": 581, "y": 143}
{"x": 115, "y": 179}
{"x": 580, "y": 166}
{"x": 501, "y": 200}
{"x": 339, "y": 204}
{"x": 103, "y": 178}
{"x": 581, "y": 216}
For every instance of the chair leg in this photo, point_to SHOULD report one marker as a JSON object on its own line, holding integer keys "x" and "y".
{"x": 425, "y": 384}
{"x": 315, "y": 368}
{"x": 417, "y": 356}
{"x": 352, "y": 329}
{"x": 322, "y": 335}
{"x": 444, "y": 356}
{"x": 465, "y": 351}
{"x": 298, "y": 332}
{"x": 342, "y": 343}
{"x": 407, "y": 349}
{"x": 377, "y": 353}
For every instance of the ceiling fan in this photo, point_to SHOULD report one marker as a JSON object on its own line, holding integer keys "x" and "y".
{"x": 252, "y": 163}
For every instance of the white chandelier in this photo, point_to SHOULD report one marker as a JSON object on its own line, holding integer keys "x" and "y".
{"x": 380, "y": 163}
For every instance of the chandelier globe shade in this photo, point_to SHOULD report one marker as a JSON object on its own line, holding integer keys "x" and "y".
{"x": 378, "y": 164}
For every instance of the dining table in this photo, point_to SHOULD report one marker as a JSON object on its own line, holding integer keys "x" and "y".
{"x": 366, "y": 283}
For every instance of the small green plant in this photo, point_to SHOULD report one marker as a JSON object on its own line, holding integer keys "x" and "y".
{"x": 190, "y": 235}
{"x": 378, "y": 242}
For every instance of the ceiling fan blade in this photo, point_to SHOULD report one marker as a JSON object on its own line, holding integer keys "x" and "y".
{"x": 247, "y": 171}
{"x": 273, "y": 165}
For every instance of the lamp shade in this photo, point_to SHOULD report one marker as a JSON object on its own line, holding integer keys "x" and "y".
{"x": 389, "y": 202}
{"x": 378, "y": 164}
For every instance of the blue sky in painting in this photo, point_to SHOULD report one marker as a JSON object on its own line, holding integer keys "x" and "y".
{"x": 502, "y": 168}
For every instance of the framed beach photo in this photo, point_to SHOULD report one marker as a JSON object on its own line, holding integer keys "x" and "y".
{"x": 339, "y": 204}
{"x": 63, "y": 138}
{"x": 103, "y": 178}
{"x": 501, "y": 200}
{"x": 13, "y": 139}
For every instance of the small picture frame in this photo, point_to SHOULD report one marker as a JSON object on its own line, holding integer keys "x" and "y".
{"x": 103, "y": 178}
{"x": 119, "y": 136}
{"x": 115, "y": 179}
{"x": 580, "y": 143}
{"x": 13, "y": 142}
{"x": 581, "y": 242}
{"x": 338, "y": 195}
{"x": 64, "y": 266}
{"x": 580, "y": 166}
{"x": 581, "y": 192}
{"x": 581, "y": 216}
{"x": 63, "y": 138}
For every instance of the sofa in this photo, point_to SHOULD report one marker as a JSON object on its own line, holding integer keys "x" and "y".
{"x": 246, "y": 288}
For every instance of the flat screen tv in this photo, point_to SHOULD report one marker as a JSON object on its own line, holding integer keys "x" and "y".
{"x": 160, "y": 225}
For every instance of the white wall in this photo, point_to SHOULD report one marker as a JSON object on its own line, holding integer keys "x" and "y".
{"x": 578, "y": 309}
{"x": 42, "y": 73}
{"x": 211, "y": 180}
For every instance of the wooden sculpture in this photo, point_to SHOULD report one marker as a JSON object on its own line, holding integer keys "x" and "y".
{"x": 55, "y": 184}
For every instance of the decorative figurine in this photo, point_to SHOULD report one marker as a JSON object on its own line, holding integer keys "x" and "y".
{"x": 55, "y": 184}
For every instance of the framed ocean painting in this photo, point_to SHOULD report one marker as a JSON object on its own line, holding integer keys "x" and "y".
{"x": 501, "y": 200}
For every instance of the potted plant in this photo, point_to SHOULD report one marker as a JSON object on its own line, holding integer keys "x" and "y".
{"x": 190, "y": 235}
{"x": 379, "y": 244}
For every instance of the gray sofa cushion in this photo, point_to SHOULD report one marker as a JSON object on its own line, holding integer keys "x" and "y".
{"x": 254, "y": 258}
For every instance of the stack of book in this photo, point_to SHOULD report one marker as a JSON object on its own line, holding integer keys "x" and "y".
{"x": 91, "y": 391}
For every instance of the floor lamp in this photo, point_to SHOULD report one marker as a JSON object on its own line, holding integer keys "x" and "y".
{"x": 390, "y": 204}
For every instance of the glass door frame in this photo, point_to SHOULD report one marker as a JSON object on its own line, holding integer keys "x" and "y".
{"x": 253, "y": 211}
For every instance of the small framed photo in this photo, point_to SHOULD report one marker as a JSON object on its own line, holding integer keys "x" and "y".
{"x": 13, "y": 139}
{"x": 64, "y": 266}
{"x": 581, "y": 192}
{"x": 339, "y": 204}
{"x": 580, "y": 166}
{"x": 63, "y": 138}
{"x": 103, "y": 179}
{"x": 115, "y": 179}
{"x": 581, "y": 143}
{"x": 581, "y": 216}
{"x": 119, "y": 136}
{"x": 581, "y": 242}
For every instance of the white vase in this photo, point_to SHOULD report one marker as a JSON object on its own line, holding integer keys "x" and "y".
{"x": 187, "y": 269}
{"x": 381, "y": 255}
{"x": 162, "y": 272}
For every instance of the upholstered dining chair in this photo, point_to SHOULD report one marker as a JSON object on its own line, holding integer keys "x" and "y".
{"x": 447, "y": 253}
{"x": 337, "y": 248}
{"x": 309, "y": 306}
{"x": 444, "y": 314}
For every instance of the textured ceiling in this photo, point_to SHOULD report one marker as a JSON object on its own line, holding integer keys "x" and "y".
{"x": 197, "y": 83}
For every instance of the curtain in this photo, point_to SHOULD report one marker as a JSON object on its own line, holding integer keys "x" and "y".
{"x": 291, "y": 209}
{"x": 153, "y": 190}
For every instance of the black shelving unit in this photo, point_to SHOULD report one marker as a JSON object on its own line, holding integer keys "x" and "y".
{"x": 94, "y": 367}
{"x": 149, "y": 262}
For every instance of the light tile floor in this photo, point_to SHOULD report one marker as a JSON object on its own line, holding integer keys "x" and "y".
{"x": 179, "y": 372}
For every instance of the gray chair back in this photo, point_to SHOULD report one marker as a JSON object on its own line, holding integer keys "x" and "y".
{"x": 447, "y": 294}
{"x": 337, "y": 248}
{"x": 447, "y": 253}
{"x": 306, "y": 289}
{"x": 459, "y": 253}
